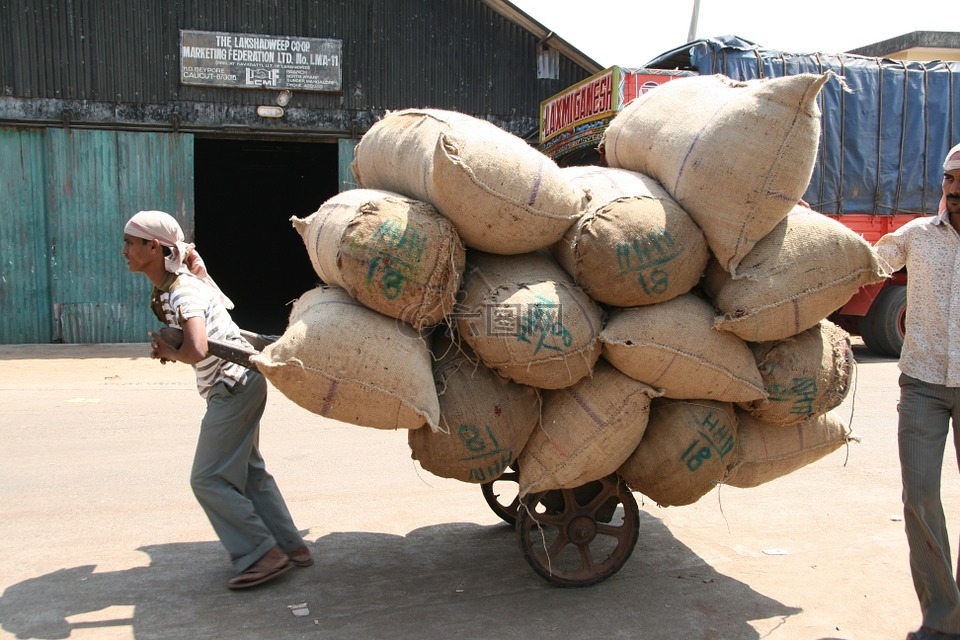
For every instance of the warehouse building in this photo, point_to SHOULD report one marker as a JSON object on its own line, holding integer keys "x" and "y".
{"x": 232, "y": 116}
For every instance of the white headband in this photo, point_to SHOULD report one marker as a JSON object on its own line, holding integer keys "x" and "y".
{"x": 164, "y": 228}
{"x": 952, "y": 163}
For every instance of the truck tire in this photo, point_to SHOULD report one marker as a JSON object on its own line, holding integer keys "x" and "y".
{"x": 883, "y": 327}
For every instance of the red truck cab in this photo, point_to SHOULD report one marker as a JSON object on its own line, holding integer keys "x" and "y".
{"x": 877, "y": 312}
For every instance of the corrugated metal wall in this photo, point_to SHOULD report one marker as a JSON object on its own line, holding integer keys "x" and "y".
{"x": 345, "y": 154}
{"x": 451, "y": 54}
{"x": 64, "y": 198}
{"x": 100, "y": 126}
{"x": 24, "y": 255}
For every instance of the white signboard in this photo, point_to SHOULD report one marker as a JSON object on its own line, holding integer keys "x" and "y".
{"x": 250, "y": 61}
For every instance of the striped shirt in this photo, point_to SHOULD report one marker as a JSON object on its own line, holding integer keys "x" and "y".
{"x": 930, "y": 249}
{"x": 186, "y": 296}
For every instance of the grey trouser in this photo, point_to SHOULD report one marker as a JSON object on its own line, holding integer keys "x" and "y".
{"x": 925, "y": 414}
{"x": 230, "y": 481}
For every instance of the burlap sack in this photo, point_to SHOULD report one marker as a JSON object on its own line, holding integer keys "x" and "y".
{"x": 673, "y": 346}
{"x": 396, "y": 255}
{"x": 526, "y": 319}
{"x": 685, "y": 451}
{"x": 604, "y": 184}
{"x": 485, "y": 419}
{"x": 503, "y": 195}
{"x": 805, "y": 375}
{"x": 341, "y": 360}
{"x": 735, "y": 155}
{"x": 587, "y": 431}
{"x": 635, "y": 245}
{"x": 805, "y": 269}
{"x": 770, "y": 451}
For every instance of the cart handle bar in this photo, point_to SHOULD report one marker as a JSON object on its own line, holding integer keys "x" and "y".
{"x": 227, "y": 351}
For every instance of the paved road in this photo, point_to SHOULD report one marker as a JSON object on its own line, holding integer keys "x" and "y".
{"x": 101, "y": 536}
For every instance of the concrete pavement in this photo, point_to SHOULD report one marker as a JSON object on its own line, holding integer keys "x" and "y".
{"x": 102, "y": 538}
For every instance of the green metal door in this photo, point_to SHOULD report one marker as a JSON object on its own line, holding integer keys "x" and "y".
{"x": 24, "y": 255}
{"x": 345, "y": 154}
{"x": 90, "y": 182}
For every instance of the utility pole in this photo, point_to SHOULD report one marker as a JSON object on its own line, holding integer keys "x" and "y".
{"x": 693, "y": 21}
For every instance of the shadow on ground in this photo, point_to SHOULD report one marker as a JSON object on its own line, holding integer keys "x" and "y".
{"x": 459, "y": 580}
{"x": 864, "y": 355}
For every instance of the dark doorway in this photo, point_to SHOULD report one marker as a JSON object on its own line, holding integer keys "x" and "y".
{"x": 246, "y": 193}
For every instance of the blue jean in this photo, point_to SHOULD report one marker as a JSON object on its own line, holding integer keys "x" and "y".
{"x": 230, "y": 480}
{"x": 926, "y": 411}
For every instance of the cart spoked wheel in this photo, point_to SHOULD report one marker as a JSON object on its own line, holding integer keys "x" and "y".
{"x": 582, "y": 536}
{"x": 503, "y": 494}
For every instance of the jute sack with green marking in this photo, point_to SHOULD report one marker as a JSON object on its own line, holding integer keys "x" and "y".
{"x": 685, "y": 451}
{"x": 735, "y": 155}
{"x": 396, "y": 255}
{"x": 526, "y": 319}
{"x": 503, "y": 195}
{"x": 769, "y": 451}
{"x": 485, "y": 419}
{"x": 805, "y": 269}
{"x": 635, "y": 245}
{"x": 587, "y": 431}
{"x": 804, "y": 375}
{"x": 673, "y": 346}
{"x": 341, "y": 360}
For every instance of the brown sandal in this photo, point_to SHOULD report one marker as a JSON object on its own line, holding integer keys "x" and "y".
{"x": 273, "y": 564}
{"x": 301, "y": 557}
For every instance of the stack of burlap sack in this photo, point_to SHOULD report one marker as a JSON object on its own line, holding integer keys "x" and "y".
{"x": 663, "y": 318}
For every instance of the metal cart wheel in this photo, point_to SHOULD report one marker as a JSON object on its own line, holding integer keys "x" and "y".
{"x": 503, "y": 494}
{"x": 579, "y": 537}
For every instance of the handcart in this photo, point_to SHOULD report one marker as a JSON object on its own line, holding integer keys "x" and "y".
{"x": 570, "y": 537}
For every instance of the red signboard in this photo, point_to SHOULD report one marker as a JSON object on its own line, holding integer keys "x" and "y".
{"x": 591, "y": 99}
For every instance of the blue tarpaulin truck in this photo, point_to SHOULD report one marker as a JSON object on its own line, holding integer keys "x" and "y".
{"x": 885, "y": 129}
